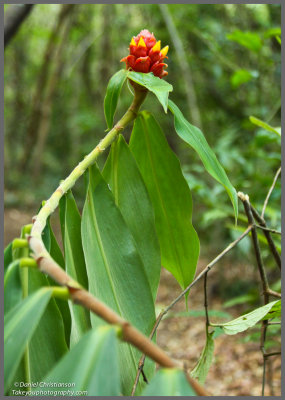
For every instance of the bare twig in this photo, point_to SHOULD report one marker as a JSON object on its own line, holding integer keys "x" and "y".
{"x": 274, "y": 353}
{"x": 266, "y": 290}
{"x": 181, "y": 295}
{"x": 16, "y": 15}
{"x": 267, "y": 235}
{"x": 269, "y": 192}
{"x": 142, "y": 359}
{"x": 268, "y": 229}
{"x": 206, "y": 301}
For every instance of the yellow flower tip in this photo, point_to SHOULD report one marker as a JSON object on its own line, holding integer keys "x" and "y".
{"x": 164, "y": 51}
{"x": 141, "y": 43}
{"x": 156, "y": 47}
{"x": 133, "y": 43}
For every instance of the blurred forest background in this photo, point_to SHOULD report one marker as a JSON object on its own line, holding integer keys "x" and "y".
{"x": 225, "y": 66}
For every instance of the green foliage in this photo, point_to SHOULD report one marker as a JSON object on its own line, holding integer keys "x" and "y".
{"x": 115, "y": 270}
{"x": 75, "y": 265}
{"x": 131, "y": 197}
{"x": 265, "y": 126}
{"x": 158, "y": 86}
{"x": 92, "y": 365}
{"x": 161, "y": 172}
{"x": 169, "y": 382}
{"x": 250, "y": 40}
{"x": 246, "y": 321}
{"x": 20, "y": 324}
{"x": 112, "y": 95}
{"x": 203, "y": 365}
{"x": 195, "y": 138}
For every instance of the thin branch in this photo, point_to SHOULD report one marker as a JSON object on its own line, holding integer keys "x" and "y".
{"x": 207, "y": 269}
{"x": 206, "y": 301}
{"x": 245, "y": 199}
{"x": 274, "y": 353}
{"x": 270, "y": 191}
{"x": 267, "y": 235}
{"x": 16, "y": 15}
{"x": 202, "y": 273}
{"x": 268, "y": 229}
{"x": 248, "y": 210}
{"x": 142, "y": 359}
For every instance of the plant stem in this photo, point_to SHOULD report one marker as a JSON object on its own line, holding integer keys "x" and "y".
{"x": 69, "y": 182}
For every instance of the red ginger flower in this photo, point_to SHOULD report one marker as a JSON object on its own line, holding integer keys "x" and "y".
{"x": 146, "y": 55}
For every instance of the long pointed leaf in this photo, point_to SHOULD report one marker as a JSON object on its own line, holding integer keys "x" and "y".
{"x": 123, "y": 176}
{"x": 169, "y": 382}
{"x": 20, "y": 324}
{"x": 171, "y": 198}
{"x": 75, "y": 264}
{"x": 158, "y": 86}
{"x": 195, "y": 138}
{"x": 112, "y": 95}
{"x": 91, "y": 366}
{"x": 115, "y": 271}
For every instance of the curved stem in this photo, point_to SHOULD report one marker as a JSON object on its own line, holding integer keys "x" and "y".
{"x": 69, "y": 182}
{"x": 78, "y": 294}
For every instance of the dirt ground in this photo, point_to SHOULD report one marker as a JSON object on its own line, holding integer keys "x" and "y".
{"x": 237, "y": 366}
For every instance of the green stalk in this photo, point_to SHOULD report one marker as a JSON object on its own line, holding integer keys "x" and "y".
{"x": 68, "y": 183}
{"x": 20, "y": 252}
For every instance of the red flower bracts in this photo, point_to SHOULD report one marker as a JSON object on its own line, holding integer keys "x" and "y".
{"x": 146, "y": 55}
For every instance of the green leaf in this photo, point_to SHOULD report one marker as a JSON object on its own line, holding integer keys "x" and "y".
{"x": 8, "y": 256}
{"x": 264, "y": 125}
{"x": 169, "y": 382}
{"x": 12, "y": 286}
{"x": 242, "y": 76}
{"x": 53, "y": 248}
{"x": 158, "y": 86}
{"x": 115, "y": 271}
{"x": 246, "y": 321}
{"x": 275, "y": 311}
{"x": 20, "y": 324}
{"x": 48, "y": 343}
{"x": 272, "y": 32}
{"x": 75, "y": 264}
{"x": 91, "y": 365}
{"x": 250, "y": 40}
{"x": 171, "y": 198}
{"x": 112, "y": 95}
{"x": 195, "y": 138}
{"x": 203, "y": 365}
{"x": 123, "y": 176}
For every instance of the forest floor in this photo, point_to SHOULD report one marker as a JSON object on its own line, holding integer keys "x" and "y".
{"x": 237, "y": 366}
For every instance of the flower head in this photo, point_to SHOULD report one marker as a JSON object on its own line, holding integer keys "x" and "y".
{"x": 146, "y": 54}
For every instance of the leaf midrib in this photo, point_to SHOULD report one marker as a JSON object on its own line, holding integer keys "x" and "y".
{"x": 161, "y": 200}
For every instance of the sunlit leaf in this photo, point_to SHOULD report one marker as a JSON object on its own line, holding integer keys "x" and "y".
{"x": 264, "y": 125}
{"x": 250, "y": 40}
{"x": 158, "y": 86}
{"x": 246, "y": 321}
